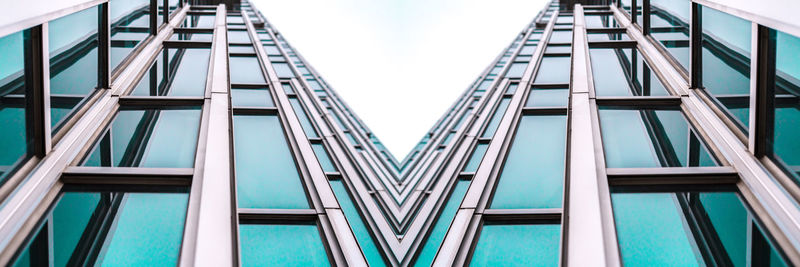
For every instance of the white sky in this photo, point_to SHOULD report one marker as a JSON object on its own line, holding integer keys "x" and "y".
{"x": 399, "y": 64}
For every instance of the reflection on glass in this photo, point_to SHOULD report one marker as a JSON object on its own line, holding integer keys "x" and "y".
{"x": 689, "y": 229}
{"x": 601, "y": 21}
{"x": 130, "y": 24}
{"x": 110, "y": 229}
{"x": 148, "y": 138}
{"x": 785, "y": 141}
{"x": 185, "y": 75}
{"x": 553, "y": 70}
{"x": 533, "y": 173}
{"x": 73, "y": 62}
{"x": 281, "y": 245}
{"x": 14, "y": 138}
{"x": 439, "y": 230}
{"x": 726, "y": 62}
{"x": 613, "y": 71}
{"x": 650, "y": 138}
{"x": 526, "y": 244}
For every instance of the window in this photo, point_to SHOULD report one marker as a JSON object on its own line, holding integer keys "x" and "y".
{"x": 623, "y": 72}
{"x": 784, "y": 142}
{"x": 282, "y": 244}
{"x": 650, "y": 138}
{"x": 235, "y": 36}
{"x": 246, "y": 70}
{"x": 548, "y": 97}
{"x": 185, "y": 73}
{"x": 437, "y": 233}
{"x": 360, "y": 230}
{"x": 496, "y": 117}
{"x": 283, "y": 70}
{"x": 553, "y": 70}
{"x": 526, "y": 244}
{"x": 199, "y": 21}
{"x": 15, "y": 139}
{"x": 160, "y": 138}
{"x": 516, "y": 70}
{"x": 130, "y": 24}
{"x": 561, "y": 36}
{"x": 266, "y": 173}
{"x": 251, "y": 97}
{"x": 73, "y": 62}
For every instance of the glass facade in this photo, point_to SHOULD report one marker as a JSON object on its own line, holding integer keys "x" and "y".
{"x": 644, "y": 133}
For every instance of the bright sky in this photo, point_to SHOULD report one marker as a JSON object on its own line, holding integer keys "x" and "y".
{"x": 399, "y": 64}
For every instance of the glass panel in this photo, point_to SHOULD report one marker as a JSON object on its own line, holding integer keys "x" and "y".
{"x": 14, "y": 139}
{"x": 130, "y": 24}
{"x": 234, "y": 20}
{"x": 596, "y": 36}
{"x": 198, "y": 37}
{"x": 111, "y": 229}
{"x": 726, "y": 62}
{"x": 271, "y": 50}
{"x": 266, "y": 174}
{"x": 200, "y": 21}
{"x": 785, "y": 142}
{"x": 281, "y": 245}
{"x": 475, "y": 159}
{"x": 324, "y": 158}
{"x": 308, "y": 128}
{"x": 558, "y": 49}
{"x": 251, "y": 98}
{"x": 561, "y": 37}
{"x": 283, "y": 70}
{"x": 485, "y": 84}
{"x": 360, "y": 230}
{"x": 650, "y": 138}
{"x": 533, "y": 173}
{"x": 527, "y": 50}
{"x": 238, "y": 36}
{"x": 564, "y": 19}
{"x": 436, "y": 236}
{"x": 496, "y": 117}
{"x": 553, "y": 70}
{"x": 246, "y": 70}
{"x": 687, "y": 228}
{"x": 669, "y": 23}
{"x": 613, "y": 71}
{"x": 516, "y": 70}
{"x": 526, "y": 244}
{"x": 548, "y": 98}
{"x": 73, "y": 61}
{"x": 148, "y": 138}
{"x": 186, "y": 75}
{"x": 601, "y": 21}
{"x": 241, "y": 49}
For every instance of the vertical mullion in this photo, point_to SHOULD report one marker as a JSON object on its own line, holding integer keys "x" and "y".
{"x": 696, "y": 47}
{"x": 37, "y": 91}
{"x": 153, "y": 17}
{"x": 762, "y": 89}
{"x": 646, "y": 17}
{"x": 103, "y": 46}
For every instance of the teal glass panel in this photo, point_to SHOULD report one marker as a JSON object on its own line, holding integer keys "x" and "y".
{"x": 669, "y": 24}
{"x": 353, "y": 140}
{"x": 266, "y": 174}
{"x": 786, "y": 135}
{"x": 314, "y": 85}
{"x": 146, "y": 229}
{"x": 496, "y": 117}
{"x": 283, "y": 70}
{"x": 154, "y": 82}
{"x": 14, "y": 139}
{"x": 475, "y": 159}
{"x": 324, "y": 158}
{"x": 527, "y": 50}
{"x": 689, "y": 229}
{"x": 596, "y": 36}
{"x": 548, "y": 98}
{"x": 149, "y": 138}
{"x": 558, "y": 49}
{"x": 512, "y": 88}
{"x": 246, "y": 70}
{"x": 238, "y": 36}
{"x": 272, "y": 50}
{"x": 561, "y": 37}
{"x": 289, "y": 90}
{"x": 628, "y": 139}
{"x": 485, "y": 84}
{"x": 553, "y": 70}
{"x": 516, "y": 70}
{"x": 564, "y": 19}
{"x": 281, "y": 245}
{"x": 726, "y": 62}
{"x": 200, "y": 21}
{"x": 623, "y": 72}
{"x": 129, "y": 26}
{"x": 533, "y": 172}
{"x": 189, "y": 79}
{"x": 439, "y": 230}
{"x": 360, "y": 230}
{"x": 73, "y": 60}
{"x": 601, "y": 21}
{"x": 251, "y": 98}
{"x": 518, "y": 245}
{"x": 241, "y": 49}
{"x": 305, "y": 122}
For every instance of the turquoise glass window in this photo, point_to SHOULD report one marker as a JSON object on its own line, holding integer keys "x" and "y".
{"x": 726, "y": 62}
{"x": 241, "y": 49}
{"x": 186, "y": 75}
{"x": 516, "y": 70}
{"x": 496, "y": 118}
{"x": 533, "y": 172}
{"x": 281, "y": 245}
{"x": 283, "y": 70}
{"x": 650, "y": 138}
{"x": 238, "y": 36}
{"x": 323, "y": 157}
{"x": 611, "y": 69}
{"x": 561, "y": 37}
{"x": 553, "y": 70}
{"x": 246, "y": 70}
{"x": 148, "y": 138}
{"x": 439, "y": 230}
{"x": 689, "y": 229}
{"x": 241, "y": 97}
{"x": 266, "y": 173}
{"x": 485, "y": 84}
{"x": 130, "y": 24}
{"x": 139, "y": 229}
{"x": 271, "y": 50}
{"x": 360, "y": 229}
{"x": 476, "y": 157}
{"x": 73, "y": 61}
{"x": 305, "y": 122}
{"x": 540, "y": 97}
{"x": 785, "y": 143}
{"x": 517, "y": 245}
{"x": 558, "y": 49}
{"x": 14, "y": 139}
{"x": 669, "y": 24}
{"x": 527, "y": 50}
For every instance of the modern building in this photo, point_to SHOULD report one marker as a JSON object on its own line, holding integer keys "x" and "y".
{"x": 174, "y": 132}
